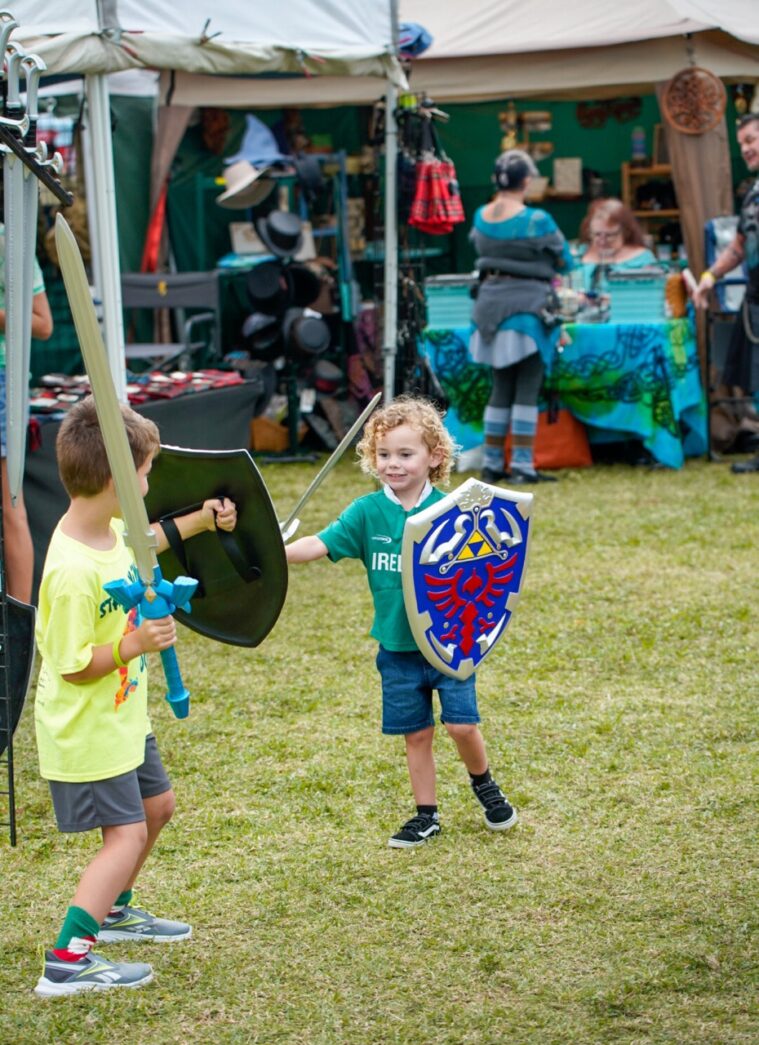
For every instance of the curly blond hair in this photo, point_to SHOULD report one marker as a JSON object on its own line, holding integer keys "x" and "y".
{"x": 419, "y": 414}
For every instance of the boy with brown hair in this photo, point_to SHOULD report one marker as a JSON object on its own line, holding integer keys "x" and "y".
{"x": 407, "y": 448}
{"x": 95, "y": 743}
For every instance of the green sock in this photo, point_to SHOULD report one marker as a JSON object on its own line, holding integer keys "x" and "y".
{"x": 79, "y": 924}
{"x": 122, "y": 900}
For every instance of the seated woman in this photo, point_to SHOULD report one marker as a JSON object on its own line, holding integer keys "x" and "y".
{"x": 613, "y": 237}
{"x": 519, "y": 250}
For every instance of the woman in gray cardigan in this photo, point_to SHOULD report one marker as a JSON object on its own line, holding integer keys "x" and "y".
{"x": 520, "y": 250}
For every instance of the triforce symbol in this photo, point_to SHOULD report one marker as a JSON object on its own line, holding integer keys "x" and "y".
{"x": 476, "y": 535}
{"x": 475, "y": 548}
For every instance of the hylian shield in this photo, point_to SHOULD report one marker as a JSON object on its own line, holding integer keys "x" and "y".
{"x": 19, "y": 660}
{"x": 462, "y": 566}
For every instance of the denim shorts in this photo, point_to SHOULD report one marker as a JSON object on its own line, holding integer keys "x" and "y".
{"x": 112, "y": 802}
{"x": 2, "y": 411}
{"x": 407, "y": 684}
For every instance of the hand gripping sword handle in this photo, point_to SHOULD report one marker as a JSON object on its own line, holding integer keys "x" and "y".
{"x": 155, "y": 601}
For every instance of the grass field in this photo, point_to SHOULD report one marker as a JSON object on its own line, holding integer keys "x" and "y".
{"x": 620, "y": 714}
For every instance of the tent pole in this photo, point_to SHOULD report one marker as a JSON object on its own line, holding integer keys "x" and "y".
{"x": 390, "y": 324}
{"x": 103, "y": 197}
{"x": 88, "y": 166}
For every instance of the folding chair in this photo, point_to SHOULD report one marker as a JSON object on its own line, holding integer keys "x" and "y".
{"x": 193, "y": 337}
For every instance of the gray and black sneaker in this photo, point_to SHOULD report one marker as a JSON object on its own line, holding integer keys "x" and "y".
{"x": 416, "y": 831}
{"x": 499, "y": 814}
{"x": 90, "y": 973}
{"x": 132, "y": 923}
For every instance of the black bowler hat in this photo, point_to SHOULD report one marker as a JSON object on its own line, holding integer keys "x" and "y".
{"x": 268, "y": 288}
{"x": 304, "y": 285}
{"x": 261, "y": 335}
{"x": 282, "y": 232}
{"x": 305, "y": 335}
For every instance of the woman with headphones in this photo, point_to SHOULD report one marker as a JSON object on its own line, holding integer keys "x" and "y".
{"x": 519, "y": 250}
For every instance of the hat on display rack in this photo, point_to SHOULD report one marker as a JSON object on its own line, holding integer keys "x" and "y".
{"x": 304, "y": 285}
{"x": 282, "y": 232}
{"x": 268, "y": 288}
{"x": 305, "y": 332}
{"x": 247, "y": 186}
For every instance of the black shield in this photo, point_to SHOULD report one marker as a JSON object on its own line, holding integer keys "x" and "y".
{"x": 242, "y": 575}
{"x": 19, "y": 652}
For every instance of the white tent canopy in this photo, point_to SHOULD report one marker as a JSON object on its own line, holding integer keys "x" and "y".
{"x": 235, "y": 92}
{"x": 514, "y": 27}
{"x": 508, "y": 48}
{"x": 591, "y": 48}
{"x": 600, "y": 72}
{"x": 311, "y": 37}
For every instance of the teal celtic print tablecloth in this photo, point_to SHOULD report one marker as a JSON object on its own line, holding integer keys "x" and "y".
{"x": 629, "y": 380}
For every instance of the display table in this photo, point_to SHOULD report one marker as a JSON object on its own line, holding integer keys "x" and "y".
{"x": 622, "y": 380}
{"x": 218, "y": 419}
{"x": 641, "y": 380}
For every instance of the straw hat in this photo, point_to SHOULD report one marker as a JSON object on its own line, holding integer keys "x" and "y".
{"x": 246, "y": 186}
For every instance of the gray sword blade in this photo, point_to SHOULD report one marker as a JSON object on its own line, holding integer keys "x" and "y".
{"x": 19, "y": 313}
{"x": 17, "y": 380}
{"x": 18, "y": 395}
{"x": 139, "y": 535}
{"x": 330, "y": 463}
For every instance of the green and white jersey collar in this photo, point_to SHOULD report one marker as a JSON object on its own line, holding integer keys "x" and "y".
{"x": 426, "y": 491}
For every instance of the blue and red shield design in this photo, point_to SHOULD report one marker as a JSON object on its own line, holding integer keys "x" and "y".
{"x": 462, "y": 565}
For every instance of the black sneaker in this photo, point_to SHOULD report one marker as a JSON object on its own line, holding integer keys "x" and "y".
{"x": 520, "y": 478}
{"x": 493, "y": 476}
{"x": 745, "y": 467}
{"x": 416, "y": 831}
{"x": 499, "y": 814}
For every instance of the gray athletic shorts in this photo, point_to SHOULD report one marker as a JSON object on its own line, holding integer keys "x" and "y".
{"x": 108, "y": 803}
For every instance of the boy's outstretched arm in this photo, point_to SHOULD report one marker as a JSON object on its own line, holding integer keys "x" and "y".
{"x": 152, "y": 636}
{"x": 218, "y": 512}
{"x": 306, "y": 549}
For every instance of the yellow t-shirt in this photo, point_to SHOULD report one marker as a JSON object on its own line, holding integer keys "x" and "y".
{"x": 90, "y": 730}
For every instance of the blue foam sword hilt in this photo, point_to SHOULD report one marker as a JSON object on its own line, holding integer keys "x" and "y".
{"x": 154, "y": 601}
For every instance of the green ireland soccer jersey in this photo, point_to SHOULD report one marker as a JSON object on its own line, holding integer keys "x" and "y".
{"x": 371, "y": 529}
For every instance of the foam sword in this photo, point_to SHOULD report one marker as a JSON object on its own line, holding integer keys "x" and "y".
{"x": 154, "y": 596}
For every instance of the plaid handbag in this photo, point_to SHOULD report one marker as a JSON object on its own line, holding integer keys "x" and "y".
{"x": 437, "y": 205}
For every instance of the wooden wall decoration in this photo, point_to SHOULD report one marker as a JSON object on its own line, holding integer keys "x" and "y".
{"x": 693, "y": 101}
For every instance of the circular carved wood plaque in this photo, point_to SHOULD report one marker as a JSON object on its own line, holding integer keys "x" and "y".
{"x": 694, "y": 100}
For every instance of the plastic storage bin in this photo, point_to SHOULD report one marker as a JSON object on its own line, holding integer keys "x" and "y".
{"x": 449, "y": 301}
